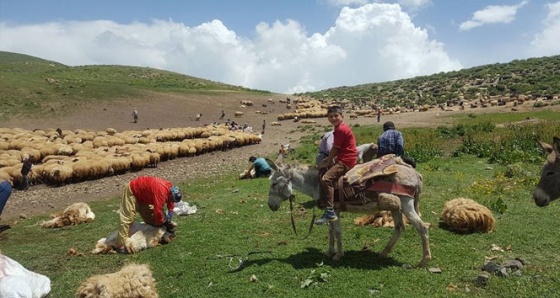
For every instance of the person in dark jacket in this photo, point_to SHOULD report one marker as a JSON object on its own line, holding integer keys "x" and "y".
{"x": 391, "y": 141}
{"x": 5, "y": 192}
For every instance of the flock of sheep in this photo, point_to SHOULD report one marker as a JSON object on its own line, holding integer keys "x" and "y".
{"x": 65, "y": 156}
{"x": 311, "y": 108}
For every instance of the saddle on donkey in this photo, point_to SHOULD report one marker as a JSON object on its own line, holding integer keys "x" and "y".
{"x": 361, "y": 184}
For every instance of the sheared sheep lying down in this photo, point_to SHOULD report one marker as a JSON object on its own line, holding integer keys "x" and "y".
{"x": 74, "y": 214}
{"x": 467, "y": 216}
{"x": 142, "y": 236}
{"x": 133, "y": 280}
{"x": 381, "y": 219}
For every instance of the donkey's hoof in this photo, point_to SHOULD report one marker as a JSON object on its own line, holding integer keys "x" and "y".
{"x": 384, "y": 254}
{"x": 337, "y": 257}
{"x": 423, "y": 263}
{"x": 329, "y": 253}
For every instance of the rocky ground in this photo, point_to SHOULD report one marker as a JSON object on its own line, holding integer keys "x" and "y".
{"x": 178, "y": 111}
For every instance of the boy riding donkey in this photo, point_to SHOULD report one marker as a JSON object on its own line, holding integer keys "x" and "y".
{"x": 345, "y": 152}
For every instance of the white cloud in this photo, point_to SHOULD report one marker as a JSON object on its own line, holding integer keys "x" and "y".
{"x": 414, "y": 4}
{"x": 547, "y": 42}
{"x": 340, "y": 3}
{"x": 372, "y": 43}
{"x": 492, "y": 14}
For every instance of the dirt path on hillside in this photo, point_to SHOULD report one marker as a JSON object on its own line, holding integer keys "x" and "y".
{"x": 178, "y": 111}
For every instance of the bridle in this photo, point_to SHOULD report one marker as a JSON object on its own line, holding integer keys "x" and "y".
{"x": 292, "y": 199}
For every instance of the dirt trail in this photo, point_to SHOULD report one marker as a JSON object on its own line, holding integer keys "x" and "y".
{"x": 179, "y": 111}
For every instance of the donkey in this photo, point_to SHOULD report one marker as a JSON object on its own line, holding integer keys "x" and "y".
{"x": 548, "y": 188}
{"x": 305, "y": 178}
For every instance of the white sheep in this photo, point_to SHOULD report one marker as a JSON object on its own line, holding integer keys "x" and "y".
{"x": 133, "y": 280}
{"x": 74, "y": 214}
{"x": 142, "y": 236}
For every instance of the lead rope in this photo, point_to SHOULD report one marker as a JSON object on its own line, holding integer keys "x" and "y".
{"x": 291, "y": 198}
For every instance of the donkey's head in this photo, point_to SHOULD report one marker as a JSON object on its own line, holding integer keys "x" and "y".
{"x": 280, "y": 184}
{"x": 548, "y": 188}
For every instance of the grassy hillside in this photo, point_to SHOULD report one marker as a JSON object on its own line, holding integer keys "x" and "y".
{"x": 535, "y": 77}
{"x": 36, "y": 86}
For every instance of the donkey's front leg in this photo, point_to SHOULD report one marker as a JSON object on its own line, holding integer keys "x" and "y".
{"x": 330, "y": 249}
{"x": 337, "y": 231}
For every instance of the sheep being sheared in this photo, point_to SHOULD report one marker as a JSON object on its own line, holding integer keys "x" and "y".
{"x": 142, "y": 236}
{"x": 467, "y": 216}
{"x": 74, "y": 214}
{"x": 133, "y": 280}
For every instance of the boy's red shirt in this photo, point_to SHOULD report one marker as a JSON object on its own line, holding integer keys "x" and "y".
{"x": 345, "y": 141}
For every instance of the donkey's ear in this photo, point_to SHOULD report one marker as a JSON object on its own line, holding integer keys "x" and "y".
{"x": 272, "y": 164}
{"x": 280, "y": 160}
{"x": 556, "y": 146}
{"x": 546, "y": 147}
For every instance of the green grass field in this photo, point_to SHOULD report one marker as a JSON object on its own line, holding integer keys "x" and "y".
{"x": 234, "y": 235}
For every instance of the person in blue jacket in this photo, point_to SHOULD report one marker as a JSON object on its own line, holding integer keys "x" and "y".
{"x": 262, "y": 169}
{"x": 5, "y": 192}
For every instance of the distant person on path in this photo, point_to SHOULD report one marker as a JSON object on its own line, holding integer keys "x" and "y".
{"x": 345, "y": 152}
{"x": 5, "y": 192}
{"x": 263, "y": 126}
{"x": 135, "y": 115}
{"x": 378, "y": 115}
{"x": 391, "y": 141}
{"x": 223, "y": 115}
{"x": 25, "y": 169}
{"x": 147, "y": 195}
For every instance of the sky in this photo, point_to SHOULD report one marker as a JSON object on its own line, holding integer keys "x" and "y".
{"x": 284, "y": 46}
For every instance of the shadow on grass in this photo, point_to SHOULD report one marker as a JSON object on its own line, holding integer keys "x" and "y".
{"x": 309, "y": 204}
{"x": 312, "y": 257}
{"x": 447, "y": 228}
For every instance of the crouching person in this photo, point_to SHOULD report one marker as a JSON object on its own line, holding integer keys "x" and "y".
{"x": 147, "y": 195}
{"x": 260, "y": 167}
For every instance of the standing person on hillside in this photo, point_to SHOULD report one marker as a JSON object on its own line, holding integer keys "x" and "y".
{"x": 223, "y": 115}
{"x": 391, "y": 141}
{"x": 25, "y": 169}
{"x": 5, "y": 192}
{"x": 378, "y": 115}
{"x": 263, "y": 126}
{"x": 147, "y": 195}
{"x": 135, "y": 115}
{"x": 345, "y": 152}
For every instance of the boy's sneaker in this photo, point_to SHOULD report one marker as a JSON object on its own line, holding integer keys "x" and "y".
{"x": 328, "y": 216}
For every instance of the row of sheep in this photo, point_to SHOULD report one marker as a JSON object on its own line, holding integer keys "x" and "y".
{"x": 310, "y": 108}
{"x": 57, "y": 163}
